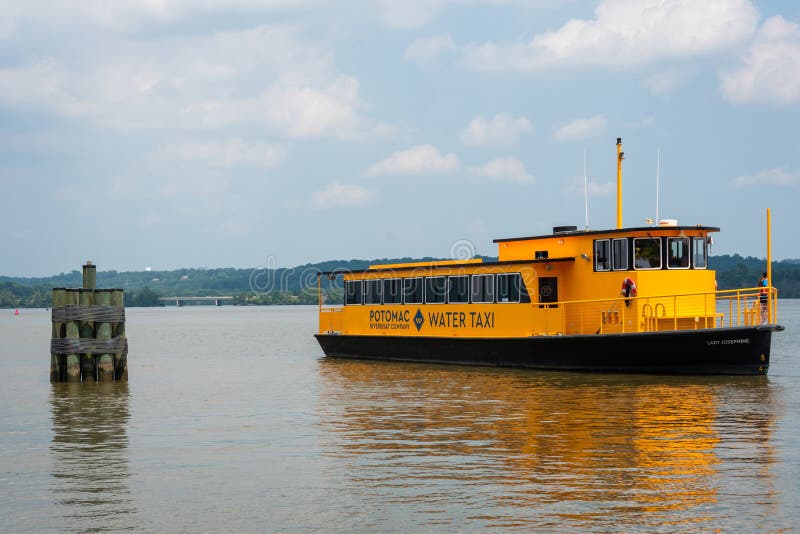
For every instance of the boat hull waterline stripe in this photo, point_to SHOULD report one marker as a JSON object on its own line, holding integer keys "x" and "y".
{"x": 734, "y": 351}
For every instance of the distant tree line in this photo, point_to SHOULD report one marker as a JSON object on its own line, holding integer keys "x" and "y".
{"x": 298, "y": 285}
{"x": 16, "y": 295}
{"x": 737, "y": 271}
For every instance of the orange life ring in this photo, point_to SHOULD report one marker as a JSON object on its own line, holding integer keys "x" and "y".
{"x": 629, "y": 287}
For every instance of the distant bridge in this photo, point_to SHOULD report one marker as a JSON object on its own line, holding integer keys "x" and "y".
{"x": 179, "y": 301}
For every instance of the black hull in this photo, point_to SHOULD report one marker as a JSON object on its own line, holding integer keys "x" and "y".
{"x": 724, "y": 351}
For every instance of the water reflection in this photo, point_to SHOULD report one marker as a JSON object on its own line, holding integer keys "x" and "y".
{"x": 90, "y": 456}
{"x": 548, "y": 450}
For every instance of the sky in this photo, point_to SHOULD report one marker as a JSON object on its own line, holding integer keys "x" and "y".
{"x": 177, "y": 133}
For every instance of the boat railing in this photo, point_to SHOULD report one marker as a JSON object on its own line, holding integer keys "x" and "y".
{"x": 330, "y": 319}
{"x": 650, "y": 313}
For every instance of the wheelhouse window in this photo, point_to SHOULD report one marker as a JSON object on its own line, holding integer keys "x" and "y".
{"x": 435, "y": 289}
{"x": 647, "y": 253}
{"x": 619, "y": 254}
{"x": 678, "y": 252}
{"x": 412, "y": 290}
{"x": 700, "y": 252}
{"x": 372, "y": 291}
{"x": 352, "y": 292}
{"x": 392, "y": 291}
{"x": 458, "y": 289}
{"x": 508, "y": 287}
{"x": 602, "y": 258}
{"x": 482, "y": 288}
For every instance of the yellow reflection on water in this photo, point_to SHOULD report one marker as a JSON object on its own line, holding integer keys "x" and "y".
{"x": 517, "y": 448}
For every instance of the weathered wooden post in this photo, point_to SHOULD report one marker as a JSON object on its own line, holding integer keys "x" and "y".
{"x": 88, "y": 333}
{"x": 88, "y": 366}
{"x": 86, "y": 296}
{"x": 73, "y": 335}
{"x": 105, "y": 361}
{"x": 57, "y": 360}
{"x": 118, "y": 332}
{"x": 89, "y": 276}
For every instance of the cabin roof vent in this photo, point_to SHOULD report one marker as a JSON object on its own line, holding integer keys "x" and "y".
{"x": 564, "y": 229}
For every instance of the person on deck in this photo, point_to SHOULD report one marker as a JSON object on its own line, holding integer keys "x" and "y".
{"x": 763, "y": 297}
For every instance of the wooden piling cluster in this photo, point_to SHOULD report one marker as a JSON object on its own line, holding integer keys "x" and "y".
{"x": 88, "y": 341}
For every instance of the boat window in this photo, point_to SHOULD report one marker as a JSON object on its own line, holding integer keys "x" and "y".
{"x": 372, "y": 291}
{"x": 352, "y": 292}
{"x": 482, "y": 288}
{"x": 699, "y": 253}
{"x": 619, "y": 254}
{"x": 508, "y": 287}
{"x": 602, "y": 258}
{"x": 392, "y": 291}
{"x": 458, "y": 289}
{"x": 412, "y": 290}
{"x": 678, "y": 250}
{"x": 647, "y": 253}
{"x": 435, "y": 289}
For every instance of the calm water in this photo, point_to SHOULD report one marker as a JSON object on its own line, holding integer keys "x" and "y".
{"x": 232, "y": 420}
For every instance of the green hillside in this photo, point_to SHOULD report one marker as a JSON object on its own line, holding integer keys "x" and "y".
{"x": 295, "y": 285}
{"x": 298, "y": 285}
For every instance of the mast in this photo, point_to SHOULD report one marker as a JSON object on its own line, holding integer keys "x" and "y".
{"x": 620, "y": 157}
{"x": 585, "y": 188}
{"x": 769, "y": 265}
{"x": 658, "y": 173}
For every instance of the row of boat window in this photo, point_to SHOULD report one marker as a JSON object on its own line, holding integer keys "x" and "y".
{"x": 650, "y": 253}
{"x": 460, "y": 289}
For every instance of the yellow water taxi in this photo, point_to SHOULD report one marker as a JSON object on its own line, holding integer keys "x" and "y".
{"x": 639, "y": 299}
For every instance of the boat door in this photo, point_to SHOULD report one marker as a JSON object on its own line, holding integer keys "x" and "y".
{"x": 548, "y": 291}
{"x": 548, "y": 317}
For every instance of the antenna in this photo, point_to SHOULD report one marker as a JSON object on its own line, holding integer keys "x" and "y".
{"x": 658, "y": 178}
{"x": 585, "y": 188}
{"x": 620, "y": 157}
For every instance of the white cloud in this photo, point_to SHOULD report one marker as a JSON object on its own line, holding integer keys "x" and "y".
{"x": 305, "y": 112}
{"x": 626, "y": 33}
{"x": 771, "y": 68}
{"x": 582, "y": 129}
{"x": 225, "y": 153}
{"x": 419, "y": 160}
{"x": 780, "y": 176}
{"x": 267, "y": 77}
{"x": 427, "y": 50}
{"x": 339, "y": 194}
{"x": 500, "y": 130}
{"x": 508, "y": 170}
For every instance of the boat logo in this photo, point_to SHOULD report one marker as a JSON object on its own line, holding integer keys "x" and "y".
{"x": 419, "y": 320}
